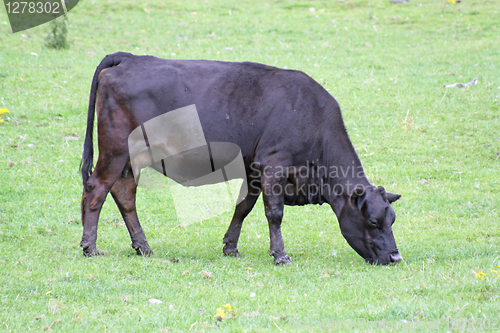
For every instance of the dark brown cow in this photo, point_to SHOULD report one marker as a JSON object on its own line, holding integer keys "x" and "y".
{"x": 290, "y": 131}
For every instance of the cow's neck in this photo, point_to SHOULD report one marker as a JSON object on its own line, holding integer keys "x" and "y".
{"x": 342, "y": 157}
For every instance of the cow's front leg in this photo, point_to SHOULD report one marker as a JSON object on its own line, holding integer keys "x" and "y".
{"x": 242, "y": 210}
{"x": 124, "y": 192}
{"x": 273, "y": 195}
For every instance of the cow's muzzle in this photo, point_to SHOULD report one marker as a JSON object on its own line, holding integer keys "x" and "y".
{"x": 395, "y": 257}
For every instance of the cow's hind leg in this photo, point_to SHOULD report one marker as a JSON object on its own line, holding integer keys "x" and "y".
{"x": 104, "y": 176}
{"x": 233, "y": 232}
{"x": 273, "y": 187}
{"x": 124, "y": 192}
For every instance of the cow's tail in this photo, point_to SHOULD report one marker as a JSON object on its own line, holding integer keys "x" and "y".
{"x": 87, "y": 162}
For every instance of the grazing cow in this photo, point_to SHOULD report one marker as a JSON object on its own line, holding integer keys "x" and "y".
{"x": 294, "y": 144}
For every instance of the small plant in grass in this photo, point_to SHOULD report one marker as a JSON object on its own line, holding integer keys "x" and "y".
{"x": 57, "y": 38}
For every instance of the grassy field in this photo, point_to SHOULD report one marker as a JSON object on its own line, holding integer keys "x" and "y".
{"x": 386, "y": 64}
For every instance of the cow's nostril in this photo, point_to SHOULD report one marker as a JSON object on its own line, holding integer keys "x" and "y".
{"x": 395, "y": 257}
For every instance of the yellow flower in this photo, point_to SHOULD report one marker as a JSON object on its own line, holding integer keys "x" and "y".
{"x": 481, "y": 275}
{"x": 3, "y": 111}
{"x": 452, "y": 1}
{"x": 228, "y": 307}
{"x": 220, "y": 314}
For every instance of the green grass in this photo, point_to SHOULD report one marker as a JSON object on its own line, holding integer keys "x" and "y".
{"x": 381, "y": 61}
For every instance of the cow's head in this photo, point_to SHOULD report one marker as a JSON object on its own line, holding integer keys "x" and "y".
{"x": 366, "y": 223}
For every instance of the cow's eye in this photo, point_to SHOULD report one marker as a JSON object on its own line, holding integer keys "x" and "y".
{"x": 373, "y": 222}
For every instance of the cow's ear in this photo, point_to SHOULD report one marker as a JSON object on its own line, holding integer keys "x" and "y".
{"x": 391, "y": 197}
{"x": 358, "y": 197}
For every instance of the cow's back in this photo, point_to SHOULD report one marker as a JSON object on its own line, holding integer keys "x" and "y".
{"x": 265, "y": 110}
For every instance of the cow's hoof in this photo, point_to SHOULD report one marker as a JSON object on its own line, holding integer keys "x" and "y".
{"x": 91, "y": 251}
{"x": 284, "y": 260}
{"x": 231, "y": 252}
{"x": 143, "y": 250}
